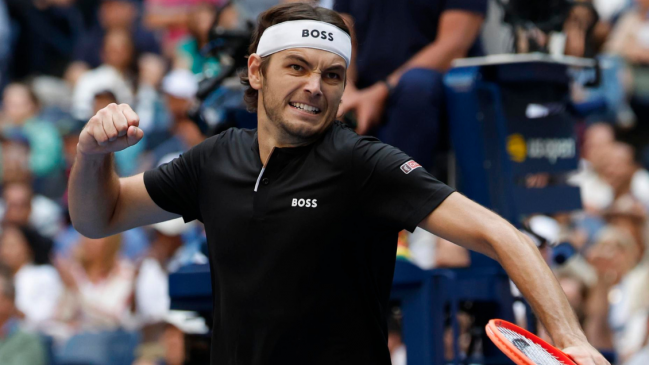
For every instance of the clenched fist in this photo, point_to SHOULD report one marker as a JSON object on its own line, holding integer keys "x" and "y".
{"x": 112, "y": 129}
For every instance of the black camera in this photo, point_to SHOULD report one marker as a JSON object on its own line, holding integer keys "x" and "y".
{"x": 546, "y": 15}
{"x": 529, "y": 18}
{"x": 230, "y": 47}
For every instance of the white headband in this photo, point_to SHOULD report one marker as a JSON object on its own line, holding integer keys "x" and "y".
{"x": 305, "y": 34}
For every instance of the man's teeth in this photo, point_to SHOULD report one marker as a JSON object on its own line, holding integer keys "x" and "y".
{"x": 308, "y": 108}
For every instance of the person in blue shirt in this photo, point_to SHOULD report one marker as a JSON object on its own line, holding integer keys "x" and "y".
{"x": 401, "y": 53}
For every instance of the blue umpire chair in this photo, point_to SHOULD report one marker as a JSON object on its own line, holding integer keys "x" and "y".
{"x": 511, "y": 120}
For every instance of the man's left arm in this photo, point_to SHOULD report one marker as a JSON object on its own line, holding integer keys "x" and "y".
{"x": 456, "y": 33}
{"x": 466, "y": 223}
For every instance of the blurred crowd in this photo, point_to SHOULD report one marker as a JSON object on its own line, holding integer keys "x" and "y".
{"x": 67, "y": 298}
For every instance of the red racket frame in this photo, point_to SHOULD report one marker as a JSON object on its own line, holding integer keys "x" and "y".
{"x": 512, "y": 352}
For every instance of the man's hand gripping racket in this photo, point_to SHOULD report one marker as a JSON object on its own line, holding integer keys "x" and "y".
{"x": 524, "y": 348}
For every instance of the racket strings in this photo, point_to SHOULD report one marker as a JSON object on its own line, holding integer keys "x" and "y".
{"x": 533, "y": 351}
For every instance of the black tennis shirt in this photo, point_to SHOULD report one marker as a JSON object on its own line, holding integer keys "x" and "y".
{"x": 302, "y": 254}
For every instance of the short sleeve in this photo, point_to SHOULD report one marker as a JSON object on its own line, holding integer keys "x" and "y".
{"x": 342, "y": 6}
{"x": 393, "y": 187}
{"x": 474, "y": 6}
{"x": 175, "y": 186}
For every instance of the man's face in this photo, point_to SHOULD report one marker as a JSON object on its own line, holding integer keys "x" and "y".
{"x": 301, "y": 91}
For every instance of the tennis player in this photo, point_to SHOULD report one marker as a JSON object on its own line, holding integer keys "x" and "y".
{"x": 301, "y": 214}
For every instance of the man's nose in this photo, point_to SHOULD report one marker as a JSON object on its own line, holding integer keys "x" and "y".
{"x": 313, "y": 84}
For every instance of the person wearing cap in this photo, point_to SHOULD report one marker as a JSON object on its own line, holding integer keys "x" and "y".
{"x": 179, "y": 88}
{"x": 301, "y": 214}
{"x": 114, "y": 75}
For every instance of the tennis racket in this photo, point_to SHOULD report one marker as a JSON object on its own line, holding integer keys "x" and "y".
{"x": 522, "y": 347}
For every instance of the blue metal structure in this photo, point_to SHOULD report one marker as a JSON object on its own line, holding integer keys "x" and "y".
{"x": 509, "y": 120}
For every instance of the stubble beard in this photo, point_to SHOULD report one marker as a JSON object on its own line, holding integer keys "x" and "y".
{"x": 289, "y": 131}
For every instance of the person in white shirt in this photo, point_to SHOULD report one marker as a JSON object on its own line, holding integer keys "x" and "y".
{"x": 38, "y": 285}
{"x": 113, "y": 75}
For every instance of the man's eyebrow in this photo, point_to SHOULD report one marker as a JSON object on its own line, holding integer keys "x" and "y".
{"x": 299, "y": 58}
{"x": 340, "y": 68}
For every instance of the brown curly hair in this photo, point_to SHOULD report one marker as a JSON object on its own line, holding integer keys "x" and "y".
{"x": 279, "y": 14}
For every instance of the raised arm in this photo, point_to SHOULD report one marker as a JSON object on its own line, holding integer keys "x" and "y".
{"x": 102, "y": 204}
{"x": 466, "y": 223}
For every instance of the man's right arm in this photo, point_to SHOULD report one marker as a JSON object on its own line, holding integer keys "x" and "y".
{"x": 102, "y": 204}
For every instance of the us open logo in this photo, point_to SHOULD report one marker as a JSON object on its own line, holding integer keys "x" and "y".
{"x": 409, "y": 166}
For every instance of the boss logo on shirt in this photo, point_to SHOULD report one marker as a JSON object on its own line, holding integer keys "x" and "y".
{"x": 305, "y": 203}
{"x": 317, "y": 34}
{"x": 409, "y": 166}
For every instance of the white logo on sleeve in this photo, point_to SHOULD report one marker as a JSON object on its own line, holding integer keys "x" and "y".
{"x": 305, "y": 203}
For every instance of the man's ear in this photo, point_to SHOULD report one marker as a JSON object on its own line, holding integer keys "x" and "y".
{"x": 254, "y": 71}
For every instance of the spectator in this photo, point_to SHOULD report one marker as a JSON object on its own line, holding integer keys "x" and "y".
{"x": 576, "y": 37}
{"x": 578, "y": 30}
{"x": 150, "y": 104}
{"x": 47, "y": 33}
{"x": 179, "y": 87}
{"x": 113, "y": 15}
{"x": 21, "y": 108}
{"x": 38, "y": 286}
{"x": 395, "y": 80}
{"x": 114, "y": 75}
{"x": 17, "y": 347}
{"x": 200, "y": 20}
{"x": 623, "y": 174}
{"x": 166, "y": 254}
{"x": 163, "y": 329}
{"x": 628, "y": 214}
{"x": 21, "y": 207}
{"x": 166, "y": 343}
{"x": 630, "y": 37}
{"x": 619, "y": 300}
{"x": 596, "y": 194}
{"x": 170, "y": 17}
{"x": 99, "y": 286}
{"x": 15, "y": 158}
